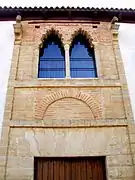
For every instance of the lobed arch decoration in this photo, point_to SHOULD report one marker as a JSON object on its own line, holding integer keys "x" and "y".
{"x": 85, "y": 34}
{"x": 49, "y": 33}
{"x": 42, "y": 103}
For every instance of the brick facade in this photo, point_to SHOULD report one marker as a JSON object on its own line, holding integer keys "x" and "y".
{"x": 67, "y": 117}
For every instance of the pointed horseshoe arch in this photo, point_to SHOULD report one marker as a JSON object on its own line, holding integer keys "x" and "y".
{"x": 42, "y": 103}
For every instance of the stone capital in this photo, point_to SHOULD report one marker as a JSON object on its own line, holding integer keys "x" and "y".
{"x": 66, "y": 47}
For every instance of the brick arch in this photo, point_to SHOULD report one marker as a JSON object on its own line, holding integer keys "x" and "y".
{"x": 42, "y": 103}
{"x": 48, "y": 33}
{"x": 83, "y": 33}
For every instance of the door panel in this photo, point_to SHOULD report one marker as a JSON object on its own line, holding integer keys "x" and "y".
{"x": 70, "y": 168}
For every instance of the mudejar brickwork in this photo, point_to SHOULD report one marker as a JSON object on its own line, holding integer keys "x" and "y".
{"x": 67, "y": 117}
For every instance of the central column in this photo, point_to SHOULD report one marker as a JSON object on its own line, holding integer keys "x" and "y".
{"x": 67, "y": 60}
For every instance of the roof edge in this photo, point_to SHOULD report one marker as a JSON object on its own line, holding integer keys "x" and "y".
{"x": 89, "y": 13}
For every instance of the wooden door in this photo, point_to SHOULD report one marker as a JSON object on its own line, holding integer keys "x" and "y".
{"x": 71, "y": 168}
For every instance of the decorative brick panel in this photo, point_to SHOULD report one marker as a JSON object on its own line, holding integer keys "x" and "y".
{"x": 68, "y": 109}
{"x": 42, "y": 103}
{"x": 68, "y": 30}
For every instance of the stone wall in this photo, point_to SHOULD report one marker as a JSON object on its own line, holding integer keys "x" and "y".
{"x": 66, "y": 117}
{"x": 32, "y": 142}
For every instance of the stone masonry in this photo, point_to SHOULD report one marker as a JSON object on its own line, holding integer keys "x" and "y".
{"x": 67, "y": 117}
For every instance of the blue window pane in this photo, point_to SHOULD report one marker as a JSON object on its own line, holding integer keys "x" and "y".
{"x": 58, "y": 63}
{"x": 80, "y": 51}
{"x": 82, "y": 62}
{"x": 51, "y": 63}
{"x": 82, "y": 74}
{"x": 52, "y": 74}
{"x": 53, "y": 51}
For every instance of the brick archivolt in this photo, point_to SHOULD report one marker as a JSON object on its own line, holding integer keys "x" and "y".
{"x": 67, "y": 33}
{"x": 48, "y": 33}
{"x": 83, "y": 33}
{"x": 42, "y": 103}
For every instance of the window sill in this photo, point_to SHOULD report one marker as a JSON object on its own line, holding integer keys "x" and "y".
{"x": 65, "y": 79}
{"x": 68, "y": 82}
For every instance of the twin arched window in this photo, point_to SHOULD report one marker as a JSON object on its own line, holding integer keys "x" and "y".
{"x": 52, "y": 58}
